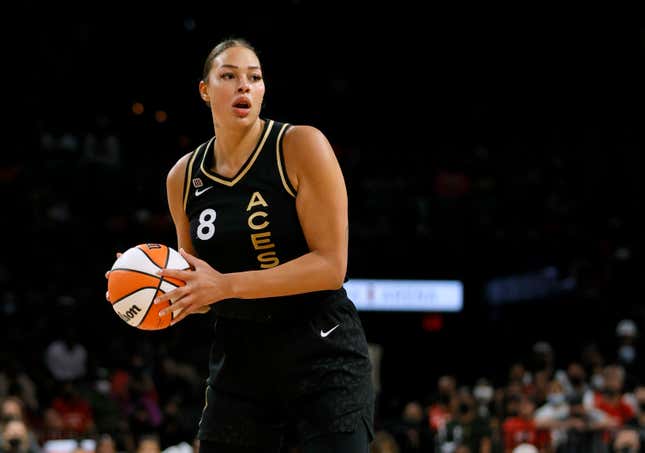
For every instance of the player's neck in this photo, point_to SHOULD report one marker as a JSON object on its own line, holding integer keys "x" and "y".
{"x": 233, "y": 146}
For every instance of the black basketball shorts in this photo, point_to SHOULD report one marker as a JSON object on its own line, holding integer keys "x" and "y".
{"x": 298, "y": 377}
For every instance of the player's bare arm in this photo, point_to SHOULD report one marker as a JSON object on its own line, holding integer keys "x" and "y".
{"x": 175, "y": 192}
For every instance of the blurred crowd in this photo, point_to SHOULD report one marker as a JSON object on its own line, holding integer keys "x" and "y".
{"x": 594, "y": 404}
{"x": 148, "y": 401}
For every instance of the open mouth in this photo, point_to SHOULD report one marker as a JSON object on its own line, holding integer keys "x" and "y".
{"x": 242, "y": 104}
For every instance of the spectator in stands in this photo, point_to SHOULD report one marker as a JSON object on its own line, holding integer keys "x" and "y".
{"x": 467, "y": 429}
{"x": 12, "y": 408}
{"x": 518, "y": 374}
{"x": 177, "y": 426}
{"x": 543, "y": 358}
{"x": 586, "y": 428}
{"x": 106, "y": 412}
{"x": 15, "y": 382}
{"x": 440, "y": 411}
{"x": 594, "y": 362}
{"x": 512, "y": 396}
{"x": 148, "y": 443}
{"x": 143, "y": 406}
{"x": 412, "y": 433}
{"x": 483, "y": 393}
{"x": 105, "y": 444}
{"x": 540, "y": 387}
{"x": 522, "y": 429}
{"x": 612, "y": 399}
{"x": 574, "y": 381}
{"x": 15, "y": 438}
{"x": 554, "y": 413}
{"x": 74, "y": 411}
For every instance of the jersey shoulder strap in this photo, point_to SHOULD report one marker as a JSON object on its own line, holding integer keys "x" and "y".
{"x": 192, "y": 177}
{"x": 280, "y": 129}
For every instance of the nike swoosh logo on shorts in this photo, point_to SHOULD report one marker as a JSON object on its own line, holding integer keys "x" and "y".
{"x": 324, "y": 334}
{"x": 199, "y": 192}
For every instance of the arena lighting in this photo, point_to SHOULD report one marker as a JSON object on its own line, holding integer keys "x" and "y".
{"x": 137, "y": 108}
{"x": 406, "y": 295}
{"x": 161, "y": 116}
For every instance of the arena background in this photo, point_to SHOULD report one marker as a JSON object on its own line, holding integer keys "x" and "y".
{"x": 475, "y": 147}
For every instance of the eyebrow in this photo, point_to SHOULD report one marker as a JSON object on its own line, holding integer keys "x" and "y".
{"x": 237, "y": 67}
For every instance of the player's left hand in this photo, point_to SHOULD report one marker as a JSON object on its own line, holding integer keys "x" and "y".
{"x": 204, "y": 286}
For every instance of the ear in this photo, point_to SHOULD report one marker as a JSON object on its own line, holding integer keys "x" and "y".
{"x": 203, "y": 91}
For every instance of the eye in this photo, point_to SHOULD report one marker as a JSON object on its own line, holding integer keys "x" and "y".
{"x": 227, "y": 75}
{"x": 256, "y": 77}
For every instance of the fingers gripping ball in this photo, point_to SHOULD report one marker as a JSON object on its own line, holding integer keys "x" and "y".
{"x": 133, "y": 284}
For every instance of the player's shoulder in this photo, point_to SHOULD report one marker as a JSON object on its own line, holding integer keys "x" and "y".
{"x": 304, "y": 142}
{"x": 302, "y": 133}
{"x": 178, "y": 170}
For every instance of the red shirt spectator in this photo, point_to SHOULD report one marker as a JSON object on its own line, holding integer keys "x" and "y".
{"x": 518, "y": 430}
{"x": 438, "y": 416}
{"x": 613, "y": 407}
{"x": 75, "y": 412}
{"x": 521, "y": 429}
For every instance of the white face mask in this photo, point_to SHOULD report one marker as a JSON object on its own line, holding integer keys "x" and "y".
{"x": 556, "y": 398}
{"x": 483, "y": 393}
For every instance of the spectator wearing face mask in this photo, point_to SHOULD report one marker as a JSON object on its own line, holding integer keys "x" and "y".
{"x": 574, "y": 380}
{"x": 412, "y": 432}
{"x": 554, "y": 413}
{"x": 467, "y": 431}
{"x": 483, "y": 393}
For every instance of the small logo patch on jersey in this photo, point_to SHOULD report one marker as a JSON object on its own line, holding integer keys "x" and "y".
{"x": 197, "y": 183}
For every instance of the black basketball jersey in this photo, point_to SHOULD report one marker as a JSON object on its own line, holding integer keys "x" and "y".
{"x": 247, "y": 222}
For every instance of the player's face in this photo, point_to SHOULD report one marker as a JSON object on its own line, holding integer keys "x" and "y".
{"x": 235, "y": 87}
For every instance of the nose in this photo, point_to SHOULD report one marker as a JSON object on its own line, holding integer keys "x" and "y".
{"x": 244, "y": 86}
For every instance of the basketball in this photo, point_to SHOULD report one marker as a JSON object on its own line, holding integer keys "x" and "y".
{"x": 133, "y": 284}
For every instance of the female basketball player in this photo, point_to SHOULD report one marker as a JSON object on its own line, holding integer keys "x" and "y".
{"x": 263, "y": 205}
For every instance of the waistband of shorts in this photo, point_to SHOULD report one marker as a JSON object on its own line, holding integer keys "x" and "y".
{"x": 277, "y": 309}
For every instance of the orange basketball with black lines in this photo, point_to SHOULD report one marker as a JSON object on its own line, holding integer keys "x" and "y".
{"x": 133, "y": 283}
